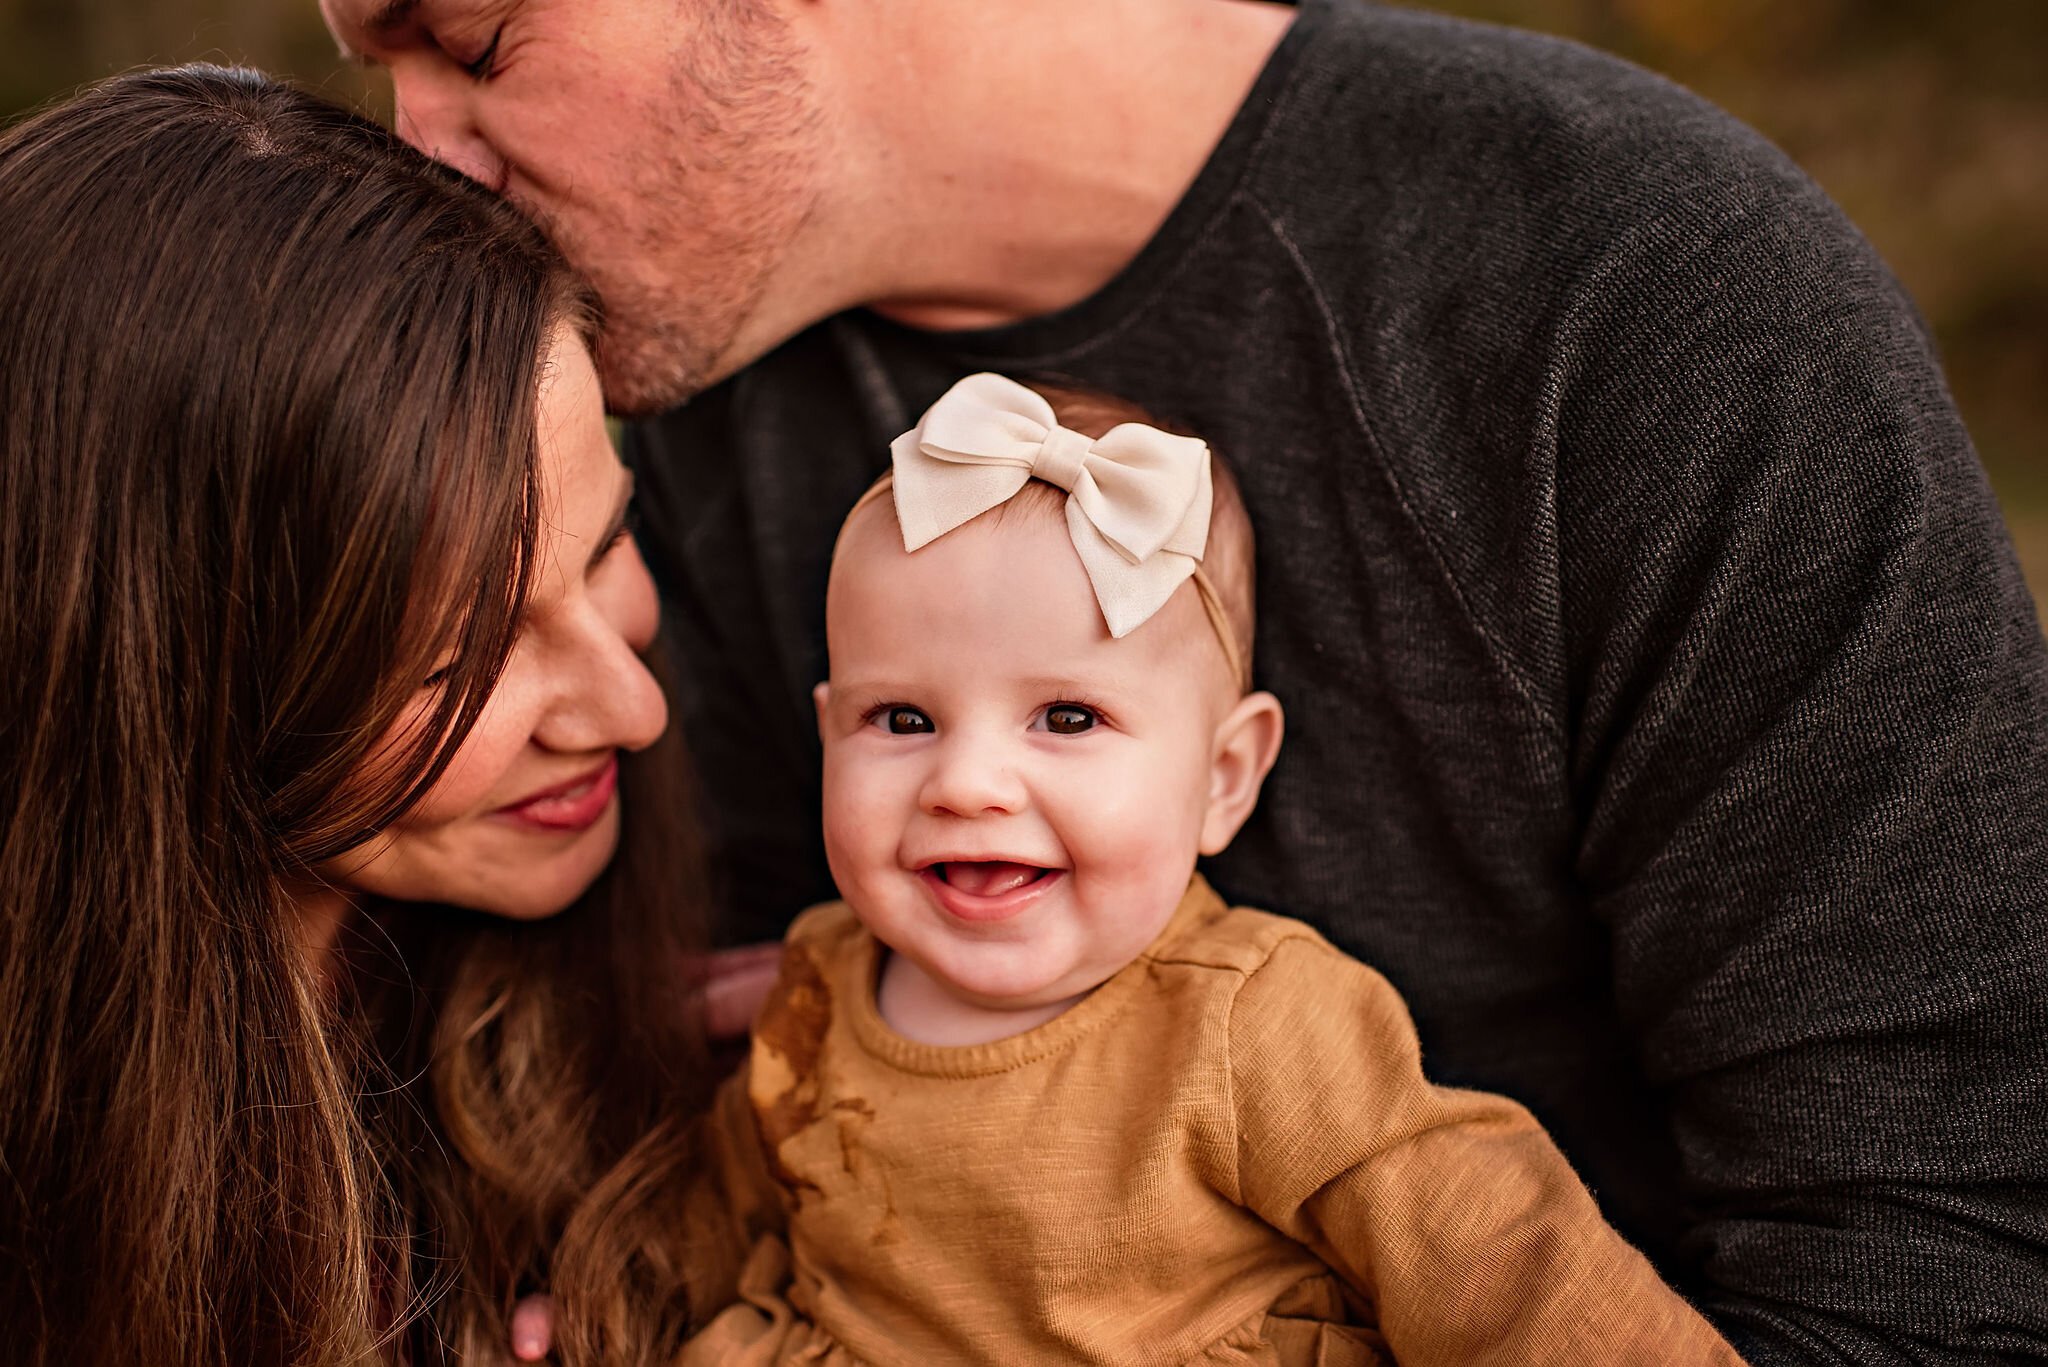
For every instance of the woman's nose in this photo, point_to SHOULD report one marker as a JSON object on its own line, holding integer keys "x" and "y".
{"x": 973, "y": 775}
{"x": 607, "y": 696}
{"x": 609, "y": 700}
{"x": 431, "y": 111}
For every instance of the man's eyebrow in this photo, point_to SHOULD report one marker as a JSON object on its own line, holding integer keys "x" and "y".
{"x": 385, "y": 20}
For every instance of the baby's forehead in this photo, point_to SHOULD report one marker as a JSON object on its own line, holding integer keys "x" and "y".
{"x": 1011, "y": 576}
{"x": 1016, "y": 546}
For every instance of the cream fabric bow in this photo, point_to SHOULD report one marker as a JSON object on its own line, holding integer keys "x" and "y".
{"x": 1138, "y": 498}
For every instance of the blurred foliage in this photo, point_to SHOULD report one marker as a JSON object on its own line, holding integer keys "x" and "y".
{"x": 1927, "y": 121}
{"x": 50, "y": 47}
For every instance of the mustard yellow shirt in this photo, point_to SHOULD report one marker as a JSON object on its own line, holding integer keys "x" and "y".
{"x": 1227, "y": 1153}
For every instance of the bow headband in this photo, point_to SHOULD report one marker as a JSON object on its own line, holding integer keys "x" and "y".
{"x": 1138, "y": 499}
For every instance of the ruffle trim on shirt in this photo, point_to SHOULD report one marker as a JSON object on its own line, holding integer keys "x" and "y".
{"x": 763, "y": 1328}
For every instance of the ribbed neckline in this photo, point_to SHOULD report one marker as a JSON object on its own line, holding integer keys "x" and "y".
{"x": 1043, "y": 341}
{"x": 857, "y": 975}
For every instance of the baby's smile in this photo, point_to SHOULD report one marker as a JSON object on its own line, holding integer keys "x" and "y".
{"x": 1013, "y": 799}
{"x": 986, "y": 889}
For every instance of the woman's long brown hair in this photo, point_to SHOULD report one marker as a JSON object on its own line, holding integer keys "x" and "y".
{"x": 267, "y": 452}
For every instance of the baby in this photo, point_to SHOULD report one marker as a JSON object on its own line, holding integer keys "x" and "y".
{"x": 1033, "y": 1093}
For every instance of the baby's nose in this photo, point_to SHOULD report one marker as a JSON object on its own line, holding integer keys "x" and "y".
{"x": 973, "y": 777}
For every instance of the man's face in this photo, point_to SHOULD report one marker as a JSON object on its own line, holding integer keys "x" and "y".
{"x": 670, "y": 149}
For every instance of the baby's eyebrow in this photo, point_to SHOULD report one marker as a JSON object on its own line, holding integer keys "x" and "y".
{"x": 866, "y": 691}
{"x": 1060, "y": 685}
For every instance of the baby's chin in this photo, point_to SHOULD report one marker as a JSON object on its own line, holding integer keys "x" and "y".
{"x": 956, "y": 1008}
{"x": 1016, "y": 983}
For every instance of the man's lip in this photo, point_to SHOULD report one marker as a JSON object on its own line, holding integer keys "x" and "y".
{"x": 966, "y": 906}
{"x": 570, "y": 805}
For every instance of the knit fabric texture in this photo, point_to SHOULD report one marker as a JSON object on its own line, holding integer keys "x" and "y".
{"x": 1666, "y": 710}
{"x": 1162, "y": 1175}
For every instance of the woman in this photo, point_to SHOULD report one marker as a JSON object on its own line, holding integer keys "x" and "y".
{"x": 318, "y": 606}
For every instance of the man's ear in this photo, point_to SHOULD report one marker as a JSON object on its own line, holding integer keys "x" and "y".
{"x": 821, "y": 698}
{"x": 1247, "y": 743}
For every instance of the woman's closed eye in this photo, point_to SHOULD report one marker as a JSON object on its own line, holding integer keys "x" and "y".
{"x": 625, "y": 529}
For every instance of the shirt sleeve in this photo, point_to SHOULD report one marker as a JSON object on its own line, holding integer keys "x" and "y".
{"x": 1450, "y": 1211}
{"x": 1807, "y": 708}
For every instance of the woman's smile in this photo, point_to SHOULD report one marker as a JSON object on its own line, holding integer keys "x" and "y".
{"x": 574, "y": 805}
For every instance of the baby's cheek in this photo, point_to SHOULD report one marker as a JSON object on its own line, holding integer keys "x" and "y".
{"x": 861, "y": 824}
{"x": 1148, "y": 802}
{"x": 1132, "y": 839}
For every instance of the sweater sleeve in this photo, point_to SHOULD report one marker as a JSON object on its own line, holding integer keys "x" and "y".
{"x": 1450, "y": 1211}
{"x": 1808, "y": 731}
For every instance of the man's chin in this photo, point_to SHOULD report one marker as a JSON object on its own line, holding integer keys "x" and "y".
{"x": 643, "y": 377}
{"x": 650, "y": 359}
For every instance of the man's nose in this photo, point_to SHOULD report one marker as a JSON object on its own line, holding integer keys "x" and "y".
{"x": 431, "y": 111}
{"x": 973, "y": 775}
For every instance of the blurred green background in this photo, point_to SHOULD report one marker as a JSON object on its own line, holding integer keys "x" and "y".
{"x": 1926, "y": 119}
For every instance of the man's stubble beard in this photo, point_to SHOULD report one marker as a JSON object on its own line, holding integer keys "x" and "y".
{"x": 728, "y": 191}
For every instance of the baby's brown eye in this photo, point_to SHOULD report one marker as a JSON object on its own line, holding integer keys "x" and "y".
{"x": 1068, "y": 719}
{"x": 908, "y": 721}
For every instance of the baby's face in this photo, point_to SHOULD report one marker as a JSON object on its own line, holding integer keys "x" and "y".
{"x": 1013, "y": 800}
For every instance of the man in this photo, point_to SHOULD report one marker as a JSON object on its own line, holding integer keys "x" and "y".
{"x": 1668, "y": 713}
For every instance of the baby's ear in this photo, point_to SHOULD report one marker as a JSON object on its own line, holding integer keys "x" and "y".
{"x": 821, "y": 698}
{"x": 1247, "y": 743}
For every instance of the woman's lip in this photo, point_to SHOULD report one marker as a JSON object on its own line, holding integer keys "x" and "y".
{"x": 571, "y": 806}
{"x": 1001, "y": 907}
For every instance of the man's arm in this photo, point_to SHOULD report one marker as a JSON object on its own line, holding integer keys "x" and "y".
{"x": 1807, "y": 711}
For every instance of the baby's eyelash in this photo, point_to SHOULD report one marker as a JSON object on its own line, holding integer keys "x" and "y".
{"x": 1081, "y": 700}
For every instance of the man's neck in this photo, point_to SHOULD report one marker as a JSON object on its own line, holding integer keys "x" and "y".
{"x": 1032, "y": 167}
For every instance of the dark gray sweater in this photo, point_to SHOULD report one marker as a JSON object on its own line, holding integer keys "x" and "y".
{"x": 1667, "y": 718}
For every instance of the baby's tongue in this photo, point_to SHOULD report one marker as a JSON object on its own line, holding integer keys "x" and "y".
{"x": 989, "y": 879}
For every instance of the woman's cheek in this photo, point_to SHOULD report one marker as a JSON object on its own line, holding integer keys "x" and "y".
{"x": 479, "y": 778}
